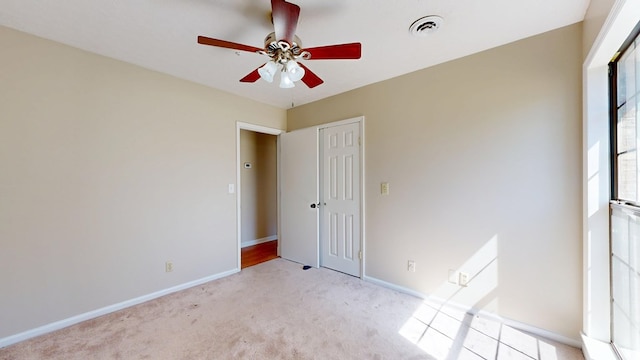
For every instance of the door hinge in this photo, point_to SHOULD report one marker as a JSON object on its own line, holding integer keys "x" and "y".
{"x": 359, "y": 141}
{"x": 360, "y": 254}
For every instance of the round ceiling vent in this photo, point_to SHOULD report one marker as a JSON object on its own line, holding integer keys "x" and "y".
{"x": 426, "y": 25}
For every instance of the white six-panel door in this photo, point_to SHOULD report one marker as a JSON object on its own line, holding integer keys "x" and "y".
{"x": 340, "y": 198}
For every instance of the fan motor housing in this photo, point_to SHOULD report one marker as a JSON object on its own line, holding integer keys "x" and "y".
{"x": 270, "y": 42}
{"x": 426, "y": 25}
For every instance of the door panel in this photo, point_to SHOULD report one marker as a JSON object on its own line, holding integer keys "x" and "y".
{"x": 299, "y": 190}
{"x": 340, "y": 234}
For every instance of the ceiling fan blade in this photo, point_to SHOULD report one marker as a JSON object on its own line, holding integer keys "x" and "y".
{"x": 226, "y": 44}
{"x": 336, "y": 52}
{"x": 285, "y": 19}
{"x": 310, "y": 79}
{"x": 251, "y": 77}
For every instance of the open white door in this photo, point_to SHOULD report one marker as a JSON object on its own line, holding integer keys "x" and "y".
{"x": 299, "y": 196}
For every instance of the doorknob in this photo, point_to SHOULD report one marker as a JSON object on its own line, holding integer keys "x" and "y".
{"x": 313, "y": 206}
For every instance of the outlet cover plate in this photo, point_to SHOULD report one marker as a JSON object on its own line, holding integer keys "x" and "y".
{"x": 411, "y": 266}
{"x": 463, "y": 279}
{"x": 453, "y": 277}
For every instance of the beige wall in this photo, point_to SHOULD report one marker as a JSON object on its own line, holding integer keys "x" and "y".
{"x": 108, "y": 171}
{"x": 483, "y": 157}
{"x": 259, "y": 186}
{"x": 593, "y": 20}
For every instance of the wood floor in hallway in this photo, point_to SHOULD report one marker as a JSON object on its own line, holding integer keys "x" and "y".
{"x": 256, "y": 254}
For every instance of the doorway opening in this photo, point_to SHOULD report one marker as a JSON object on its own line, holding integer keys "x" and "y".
{"x": 257, "y": 198}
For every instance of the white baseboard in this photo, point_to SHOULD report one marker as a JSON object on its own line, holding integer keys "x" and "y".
{"x": 259, "y": 241}
{"x": 512, "y": 323}
{"x": 9, "y": 340}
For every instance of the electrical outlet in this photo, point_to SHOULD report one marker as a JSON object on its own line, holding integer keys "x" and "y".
{"x": 168, "y": 266}
{"x": 411, "y": 266}
{"x": 384, "y": 188}
{"x": 463, "y": 279}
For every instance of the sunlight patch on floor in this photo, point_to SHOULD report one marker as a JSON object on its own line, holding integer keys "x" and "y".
{"x": 444, "y": 336}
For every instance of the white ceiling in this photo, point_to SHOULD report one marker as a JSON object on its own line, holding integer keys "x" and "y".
{"x": 161, "y": 35}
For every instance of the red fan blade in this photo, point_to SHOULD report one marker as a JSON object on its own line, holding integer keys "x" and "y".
{"x": 251, "y": 77}
{"x": 310, "y": 79}
{"x": 226, "y": 44}
{"x": 285, "y": 19}
{"x": 336, "y": 52}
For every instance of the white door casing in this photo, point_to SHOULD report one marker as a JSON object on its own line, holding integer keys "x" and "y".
{"x": 256, "y": 128}
{"x": 340, "y": 235}
{"x": 298, "y": 191}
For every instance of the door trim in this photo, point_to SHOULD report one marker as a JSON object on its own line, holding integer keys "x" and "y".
{"x": 258, "y": 129}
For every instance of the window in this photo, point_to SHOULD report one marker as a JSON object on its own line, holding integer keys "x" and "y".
{"x": 625, "y": 209}
{"x": 624, "y": 98}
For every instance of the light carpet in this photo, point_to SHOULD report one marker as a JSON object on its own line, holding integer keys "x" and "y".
{"x": 276, "y": 310}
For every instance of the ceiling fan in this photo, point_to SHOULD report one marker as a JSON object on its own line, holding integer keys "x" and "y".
{"x": 285, "y": 50}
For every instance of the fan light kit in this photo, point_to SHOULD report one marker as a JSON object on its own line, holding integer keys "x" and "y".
{"x": 285, "y": 51}
{"x": 284, "y": 58}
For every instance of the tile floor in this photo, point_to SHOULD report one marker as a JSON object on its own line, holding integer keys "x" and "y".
{"x": 447, "y": 334}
